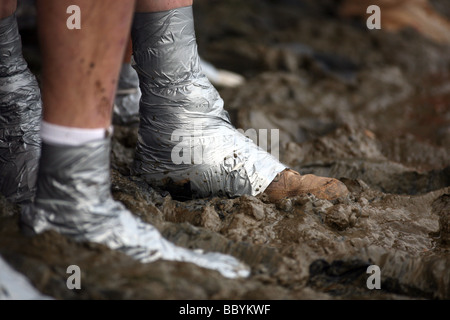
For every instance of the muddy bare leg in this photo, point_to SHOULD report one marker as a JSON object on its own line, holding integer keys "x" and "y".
{"x": 7, "y": 8}
{"x": 80, "y": 67}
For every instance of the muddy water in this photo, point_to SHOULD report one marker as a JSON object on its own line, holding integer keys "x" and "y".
{"x": 369, "y": 108}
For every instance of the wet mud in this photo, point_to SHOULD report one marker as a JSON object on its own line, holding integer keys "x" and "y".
{"x": 367, "y": 107}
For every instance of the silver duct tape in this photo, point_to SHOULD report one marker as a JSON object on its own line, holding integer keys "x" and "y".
{"x": 182, "y": 116}
{"x": 73, "y": 198}
{"x": 126, "y": 103}
{"x": 20, "y": 117}
{"x": 15, "y": 286}
{"x": 128, "y": 95}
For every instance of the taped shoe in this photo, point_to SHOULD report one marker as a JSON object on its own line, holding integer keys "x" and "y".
{"x": 186, "y": 138}
{"x": 126, "y": 103}
{"x": 20, "y": 116}
{"x": 290, "y": 183}
{"x": 73, "y": 198}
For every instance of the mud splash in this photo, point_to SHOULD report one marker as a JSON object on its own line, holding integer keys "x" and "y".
{"x": 369, "y": 108}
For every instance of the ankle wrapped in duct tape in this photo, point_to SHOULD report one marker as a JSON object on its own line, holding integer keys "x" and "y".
{"x": 126, "y": 102}
{"x": 185, "y": 135}
{"x": 20, "y": 116}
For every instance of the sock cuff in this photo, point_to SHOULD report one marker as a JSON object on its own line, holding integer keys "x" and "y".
{"x": 69, "y": 136}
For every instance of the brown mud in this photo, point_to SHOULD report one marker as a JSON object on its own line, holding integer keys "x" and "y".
{"x": 367, "y": 107}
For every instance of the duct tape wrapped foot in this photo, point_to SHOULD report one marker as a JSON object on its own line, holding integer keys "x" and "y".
{"x": 20, "y": 116}
{"x": 186, "y": 141}
{"x": 73, "y": 198}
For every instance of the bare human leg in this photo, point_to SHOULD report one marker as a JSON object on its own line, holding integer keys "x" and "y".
{"x": 7, "y": 8}
{"x": 80, "y": 67}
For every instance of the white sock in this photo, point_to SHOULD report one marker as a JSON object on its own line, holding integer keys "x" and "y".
{"x": 68, "y": 136}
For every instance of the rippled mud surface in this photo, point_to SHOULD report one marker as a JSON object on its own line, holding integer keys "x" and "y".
{"x": 367, "y": 107}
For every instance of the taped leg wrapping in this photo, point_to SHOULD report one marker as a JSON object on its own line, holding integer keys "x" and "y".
{"x": 20, "y": 116}
{"x": 185, "y": 135}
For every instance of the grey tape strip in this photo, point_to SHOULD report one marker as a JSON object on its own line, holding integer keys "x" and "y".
{"x": 20, "y": 116}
